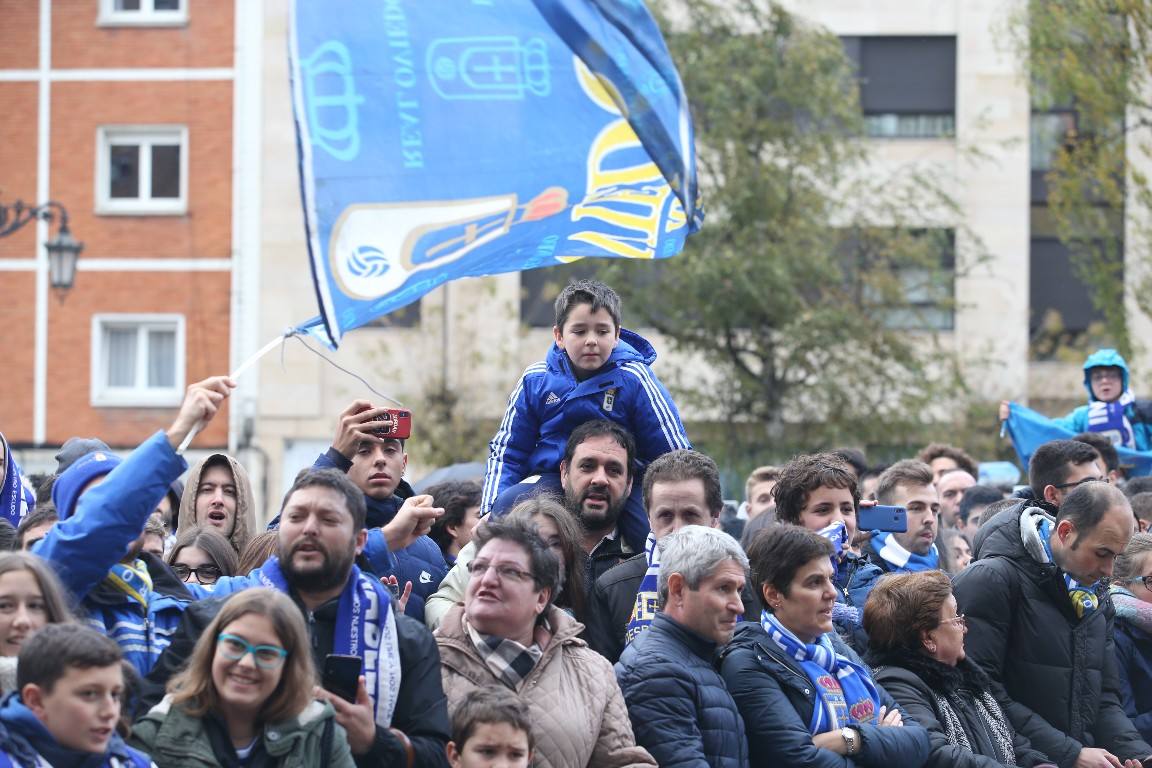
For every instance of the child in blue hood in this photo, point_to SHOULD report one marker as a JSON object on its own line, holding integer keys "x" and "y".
{"x": 1111, "y": 404}
{"x": 1112, "y": 409}
{"x": 595, "y": 370}
{"x": 64, "y": 714}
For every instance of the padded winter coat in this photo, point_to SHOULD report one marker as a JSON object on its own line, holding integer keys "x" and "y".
{"x": 1055, "y": 673}
{"x": 681, "y": 710}
{"x": 1134, "y": 663}
{"x": 577, "y": 710}
{"x": 912, "y": 679}
{"x": 776, "y": 700}
{"x": 175, "y": 739}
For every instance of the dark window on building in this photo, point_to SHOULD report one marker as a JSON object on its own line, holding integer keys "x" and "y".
{"x": 924, "y": 294}
{"x": 539, "y": 287}
{"x": 1058, "y": 296}
{"x": 907, "y": 85}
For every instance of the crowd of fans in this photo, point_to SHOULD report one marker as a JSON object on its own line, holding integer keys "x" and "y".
{"x": 594, "y": 602}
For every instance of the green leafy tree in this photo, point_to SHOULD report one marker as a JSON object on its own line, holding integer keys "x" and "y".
{"x": 1090, "y": 61}
{"x": 800, "y": 290}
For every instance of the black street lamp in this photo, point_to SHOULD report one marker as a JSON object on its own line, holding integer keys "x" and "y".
{"x": 63, "y": 250}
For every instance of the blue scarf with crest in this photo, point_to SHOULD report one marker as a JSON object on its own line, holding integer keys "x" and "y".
{"x": 845, "y": 693}
{"x": 900, "y": 559}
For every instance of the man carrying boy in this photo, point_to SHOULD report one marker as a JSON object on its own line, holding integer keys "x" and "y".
{"x": 595, "y": 370}
{"x": 70, "y": 683}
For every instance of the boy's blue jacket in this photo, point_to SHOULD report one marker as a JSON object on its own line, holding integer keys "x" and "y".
{"x": 1077, "y": 420}
{"x": 26, "y": 743}
{"x": 108, "y": 518}
{"x": 548, "y": 403}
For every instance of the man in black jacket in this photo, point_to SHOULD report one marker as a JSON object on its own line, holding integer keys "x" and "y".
{"x": 1040, "y": 623}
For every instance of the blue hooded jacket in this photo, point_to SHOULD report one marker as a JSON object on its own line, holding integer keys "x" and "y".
{"x": 548, "y": 403}
{"x": 24, "y": 742}
{"x": 94, "y": 533}
{"x": 1077, "y": 420}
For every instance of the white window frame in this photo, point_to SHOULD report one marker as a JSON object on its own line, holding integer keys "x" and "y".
{"x": 147, "y": 16}
{"x": 144, "y": 136}
{"x": 137, "y": 396}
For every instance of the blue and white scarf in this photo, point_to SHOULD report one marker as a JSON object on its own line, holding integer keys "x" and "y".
{"x": 647, "y": 595}
{"x": 845, "y": 693}
{"x": 1111, "y": 419}
{"x": 1036, "y": 532}
{"x": 837, "y": 533}
{"x": 365, "y": 627}
{"x": 900, "y": 559}
{"x": 16, "y": 499}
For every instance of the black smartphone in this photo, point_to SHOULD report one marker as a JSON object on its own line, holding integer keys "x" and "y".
{"x": 341, "y": 675}
{"x": 882, "y": 518}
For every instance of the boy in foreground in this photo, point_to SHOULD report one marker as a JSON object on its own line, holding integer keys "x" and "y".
{"x": 491, "y": 728}
{"x": 70, "y": 682}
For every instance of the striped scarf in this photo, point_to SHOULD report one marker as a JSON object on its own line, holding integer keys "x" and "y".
{"x": 993, "y": 716}
{"x": 900, "y": 559}
{"x": 365, "y": 627}
{"x": 646, "y": 596}
{"x": 845, "y": 693}
{"x": 1036, "y": 530}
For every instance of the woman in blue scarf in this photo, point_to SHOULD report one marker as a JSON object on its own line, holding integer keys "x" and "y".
{"x": 805, "y": 697}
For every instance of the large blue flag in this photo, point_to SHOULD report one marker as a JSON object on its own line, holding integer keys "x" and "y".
{"x": 441, "y": 139}
{"x": 1029, "y": 430}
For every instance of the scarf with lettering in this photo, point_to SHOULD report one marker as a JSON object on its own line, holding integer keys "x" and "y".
{"x": 900, "y": 559}
{"x": 1112, "y": 419}
{"x": 845, "y": 693}
{"x": 646, "y": 596}
{"x": 1036, "y": 533}
{"x": 16, "y": 499}
{"x": 365, "y": 627}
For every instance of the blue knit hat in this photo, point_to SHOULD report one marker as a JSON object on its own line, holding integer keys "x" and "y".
{"x": 66, "y": 489}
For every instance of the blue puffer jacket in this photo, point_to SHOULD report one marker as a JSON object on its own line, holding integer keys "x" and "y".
{"x": 1077, "y": 420}
{"x": 680, "y": 710}
{"x": 421, "y": 562}
{"x": 776, "y": 700}
{"x": 85, "y": 546}
{"x": 26, "y": 743}
{"x": 1134, "y": 659}
{"x": 548, "y": 403}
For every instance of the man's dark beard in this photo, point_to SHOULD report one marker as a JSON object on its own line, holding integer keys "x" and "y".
{"x": 331, "y": 574}
{"x": 611, "y": 515}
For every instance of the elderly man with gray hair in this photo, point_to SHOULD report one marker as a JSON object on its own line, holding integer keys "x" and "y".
{"x": 680, "y": 709}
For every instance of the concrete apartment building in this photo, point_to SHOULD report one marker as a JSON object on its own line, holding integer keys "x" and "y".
{"x": 938, "y": 80}
{"x": 128, "y": 113}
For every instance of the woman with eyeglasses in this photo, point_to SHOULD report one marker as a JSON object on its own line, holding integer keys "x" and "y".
{"x": 508, "y": 632}
{"x": 247, "y": 696}
{"x": 917, "y": 654}
{"x": 1132, "y": 596}
{"x": 201, "y": 556}
{"x": 805, "y": 696}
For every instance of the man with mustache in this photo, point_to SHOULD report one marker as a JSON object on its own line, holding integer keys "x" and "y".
{"x": 596, "y": 474}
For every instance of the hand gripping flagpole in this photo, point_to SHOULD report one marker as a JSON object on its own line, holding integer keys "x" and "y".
{"x": 236, "y": 375}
